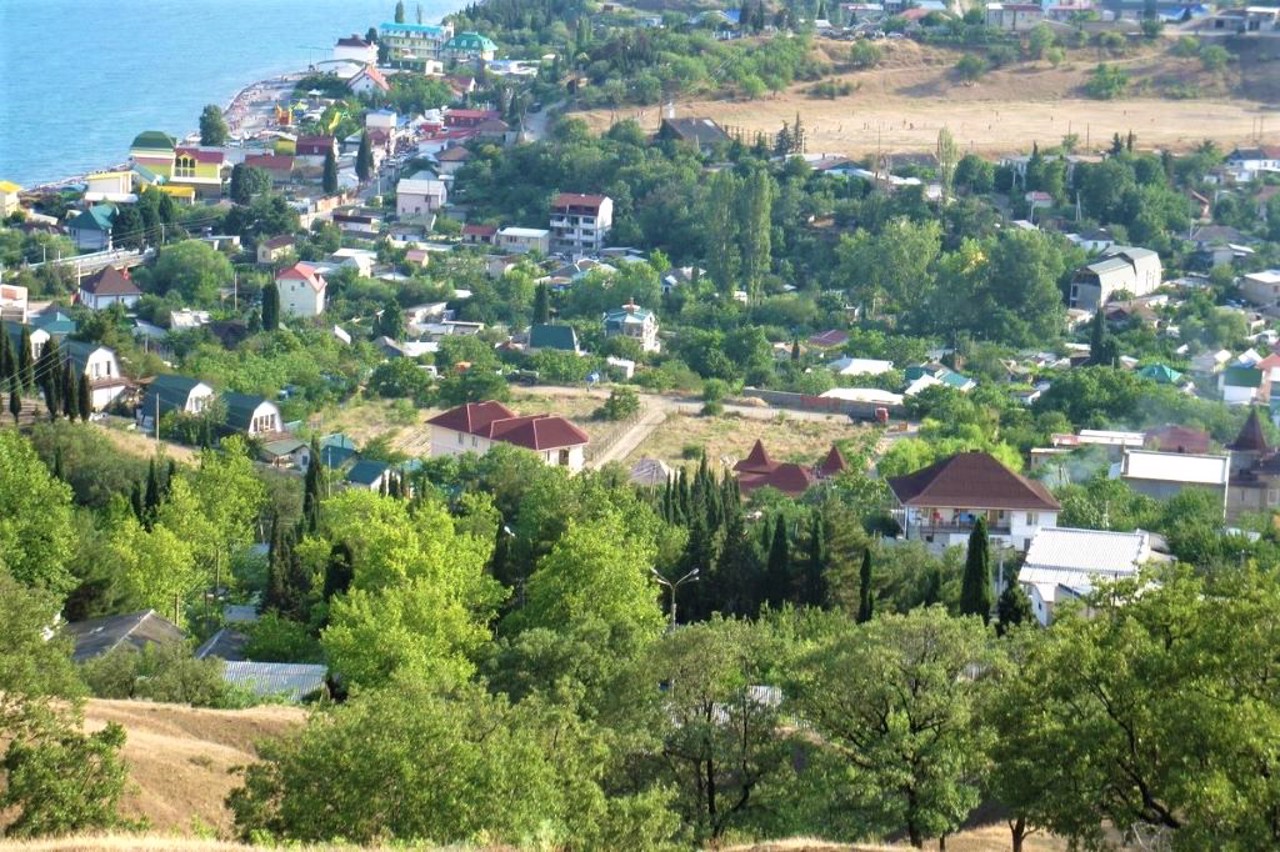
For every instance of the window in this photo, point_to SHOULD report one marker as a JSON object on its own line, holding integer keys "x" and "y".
{"x": 1032, "y": 519}
{"x": 564, "y": 458}
{"x": 184, "y": 167}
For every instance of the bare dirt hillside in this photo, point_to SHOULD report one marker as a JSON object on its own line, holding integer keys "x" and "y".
{"x": 180, "y": 758}
{"x": 902, "y": 103}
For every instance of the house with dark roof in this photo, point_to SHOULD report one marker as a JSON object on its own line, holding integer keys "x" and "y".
{"x": 702, "y": 133}
{"x": 561, "y": 338}
{"x": 272, "y": 250}
{"x": 1254, "y": 484}
{"x": 169, "y": 393}
{"x": 451, "y": 160}
{"x": 99, "y": 365}
{"x": 940, "y": 504}
{"x": 133, "y": 631}
{"x": 1178, "y": 439}
{"x": 251, "y": 415}
{"x": 368, "y": 475}
{"x": 479, "y": 234}
{"x": 477, "y": 427}
{"x": 106, "y": 287}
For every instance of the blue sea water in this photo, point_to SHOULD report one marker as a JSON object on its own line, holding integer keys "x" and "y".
{"x": 80, "y": 78}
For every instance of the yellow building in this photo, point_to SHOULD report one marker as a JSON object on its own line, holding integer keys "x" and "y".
{"x": 199, "y": 170}
{"x": 8, "y": 198}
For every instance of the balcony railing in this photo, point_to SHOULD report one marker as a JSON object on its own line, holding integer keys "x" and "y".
{"x": 955, "y": 528}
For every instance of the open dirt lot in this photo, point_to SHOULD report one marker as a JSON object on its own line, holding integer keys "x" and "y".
{"x": 900, "y": 105}
{"x": 729, "y": 437}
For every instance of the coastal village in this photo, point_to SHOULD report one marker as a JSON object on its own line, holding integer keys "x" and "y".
{"x": 452, "y": 282}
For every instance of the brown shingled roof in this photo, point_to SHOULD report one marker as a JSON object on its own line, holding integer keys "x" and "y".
{"x": 972, "y": 479}
{"x": 472, "y": 417}
{"x": 1251, "y": 438}
{"x": 573, "y": 199}
{"x": 110, "y": 281}
{"x": 538, "y": 432}
{"x": 757, "y": 461}
{"x": 1178, "y": 439}
{"x": 834, "y": 463}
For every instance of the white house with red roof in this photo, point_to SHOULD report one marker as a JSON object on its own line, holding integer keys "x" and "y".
{"x": 479, "y": 426}
{"x": 580, "y": 224}
{"x": 368, "y": 80}
{"x": 302, "y": 289}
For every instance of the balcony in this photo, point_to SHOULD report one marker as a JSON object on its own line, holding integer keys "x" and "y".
{"x": 954, "y": 528}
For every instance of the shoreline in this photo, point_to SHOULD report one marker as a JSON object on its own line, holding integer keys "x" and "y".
{"x": 239, "y": 113}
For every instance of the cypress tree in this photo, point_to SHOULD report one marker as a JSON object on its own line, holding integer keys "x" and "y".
{"x": 866, "y": 602}
{"x": 151, "y": 501}
{"x": 8, "y": 364}
{"x": 58, "y": 472}
{"x": 70, "y": 395}
{"x": 270, "y": 307}
{"x": 737, "y": 575}
{"x": 1013, "y": 608}
{"x": 135, "y": 501}
{"x": 311, "y": 489}
{"x": 329, "y": 182}
{"x": 975, "y": 587}
{"x": 813, "y": 590}
{"x": 777, "y": 577}
{"x": 26, "y": 365}
{"x": 84, "y": 397}
{"x": 364, "y": 158}
{"x": 49, "y": 374}
{"x": 170, "y": 473}
{"x": 15, "y": 399}
{"x": 541, "y": 305}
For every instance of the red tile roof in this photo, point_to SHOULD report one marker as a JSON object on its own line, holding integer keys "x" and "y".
{"x": 574, "y": 199}
{"x": 479, "y": 230}
{"x": 757, "y": 461}
{"x": 830, "y": 339}
{"x": 374, "y": 75}
{"x": 200, "y": 156}
{"x": 302, "y": 272}
{"x": 110, "y": 281}
{"x": 1251, "y": 439}
{"x": 472, "y": 417}
{"x": 314, "y": 145}
{"x": 972, "y": 479}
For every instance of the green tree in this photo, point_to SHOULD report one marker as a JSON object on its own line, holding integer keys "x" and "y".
{"x": 270, "y": 306}
{"x": 975, "y": 588}
{"x": 894, "y": 705}
{"x": 364, "y": 158}
{"x": 15, "y": 400}
{"x": 329, "y": 180}
{"x": 1039, "y": 40}
{"x": 541, "y": 304}
{"x": 755, "y": 214}
{"x": 971, "y": 67}
{"x": 391, "y": 320}
{"x": 399, "y": 11}
{"x": 153, "y": 570}
{"x": 213, "y": 127}
{"x": 193, "y": 270}
{"x": 724, "y": 257}
{"x": 1013, "y": 608}
{"x": 248, "y": 181}
{"x": 26, "y": 362}
{"x": 778, "y": 571}
{"x": 866, "y": 595}
{"x": 36, "y": 535}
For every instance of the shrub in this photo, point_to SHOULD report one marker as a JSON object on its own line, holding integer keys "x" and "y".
{"x": 1214, "y": 57}
{"x": 168, "y": 673}
{"x": 1185, "y": 47}
{"x": 621, "y": 404}
{"x": 865, "y": 54}
{"x": 1106, "y": 82}
{"x": 693, "y": 452}
{"x": 971, "y": 67}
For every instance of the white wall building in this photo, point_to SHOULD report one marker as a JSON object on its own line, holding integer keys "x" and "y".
{"x": 1066, "y": 564}
{"x": 420, "y": 196}
{"x": 302, "y": 291}
{"x": 580, "y": 224}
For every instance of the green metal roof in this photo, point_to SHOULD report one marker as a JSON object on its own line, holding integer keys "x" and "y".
{"x": 560, "y": 337}
{"x": 1161, "y": 374}
{"x": 470, "y": 41}
{"x": 1242, "y": 377}
{"x": 153, "y": 140}
{"x": 240, "y": 408}
{"x": 96, "y": 218}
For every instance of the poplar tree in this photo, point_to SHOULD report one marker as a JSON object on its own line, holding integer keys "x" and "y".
{"x": 975, "y": 587}
{"x": 757, "y": 218}
{"x": 722, "y": 223}
{"x": 330, "y": 180}
{"x": 866, "y": 602}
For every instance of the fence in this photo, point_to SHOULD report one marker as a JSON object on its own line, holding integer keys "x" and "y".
{"x": 857, "y": 409}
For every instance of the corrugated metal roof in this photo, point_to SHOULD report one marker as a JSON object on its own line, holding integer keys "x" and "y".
{"x": 293, "y": 681}
{"x": 1064, "y": 550}
{"x": 1175, "y": 467}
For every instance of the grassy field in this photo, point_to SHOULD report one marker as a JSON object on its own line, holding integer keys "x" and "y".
{"x": 729, "y": 437}
{"x": 900, "y": 105}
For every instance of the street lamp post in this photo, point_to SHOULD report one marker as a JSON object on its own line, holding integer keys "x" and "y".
{"x": 672, "y": 586}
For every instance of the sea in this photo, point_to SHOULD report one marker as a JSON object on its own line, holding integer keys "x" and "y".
{"x": 80, "y": 78}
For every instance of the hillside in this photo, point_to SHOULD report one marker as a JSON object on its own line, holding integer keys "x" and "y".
{"x": 900, "y": 104}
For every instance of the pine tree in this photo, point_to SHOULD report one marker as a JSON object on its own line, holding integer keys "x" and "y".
{"x": 364, "y": 158}
{"x": 1013, "y": 608}
{"x": 330, "y": 180}
{"x": 866, "y": 600}
{"x": 270, "y": 307}
{"x": 311, "y": 489}
{"x": 26, "y": 365}
{"x": 777, "y": 575}
{"x": 541, "y": 305}
{"x": 975, "y": 587}
{"x": 84, "y": 399}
